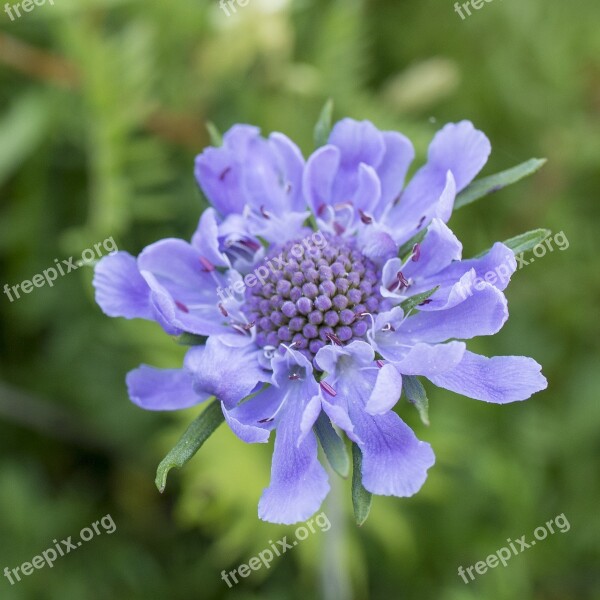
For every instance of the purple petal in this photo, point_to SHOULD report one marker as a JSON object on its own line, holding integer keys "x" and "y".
{"x": 367, "y": 191}
{"x": 496, "y": 267}
{"x": 206, "y": 239}
{"x": 298, "y": 481}
{"x": 120, "y": 289}
{"x": 460, "y": 148}
{"x": 399, "y": 154}
{"x": 439, "y": 249}
{"x": 220, "y": 176}
{"x": 422, "y": 201}
{"x": 182, "y": 289}
{"x": 319, "y": 175}
{"x": 394, "y": 461}
{"x": 162, "y": 389}
{"x": 483, "y": 313}
{"x": 359, "y": 142}
{"x": 386, "y": 392}
{"x": 421, "y": 359}
{"x": 499, "y": 379}
{"x": 226, "y": 372}
{"x": 376, "y": 243}
{"x": 292, "y": 163}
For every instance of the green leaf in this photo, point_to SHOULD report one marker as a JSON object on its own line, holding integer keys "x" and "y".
{"x": 216, "y": 139}
{"x": 190, "y": 339}
{"x": 414, "y": 301}
{"x": 486, "y": 185}
{"x": 333, "y": 445}
{"x": 361, "y": 498}
{"x": 323, "y": 126}
{"x": 415, "y": 392}
{"x": 190, "y": 442}
{"x": 524, "y": 242}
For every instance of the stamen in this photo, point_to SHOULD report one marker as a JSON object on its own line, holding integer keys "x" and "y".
{"x": 339, "y": 229}
{"x": 181, "y": 306}
{"x": 364, "y": 217}
{"x": 342, "y": 205}
{"x": 267, "y": 420}
{"x": 254, "y": 246}
{"x": 222, "y": 309}
{"x": 240, "y": 328}
{"x": 416, "y": 252}
{"x": 402, "y": 279}
{"x": 224, "y": 174}
{"x": 388, "y": 327}
{"x": 294, "y": 376}
{"x": 359, "y": 317}
{"x": 425, "y": 302}
{"x": 264, "y": 213}
{"x": 208, "y": 266}
{"x": 399, "y": 282}
{"x": 249, "y": 326}
{"x": 326, "y": 387}
{"x": 421, "y": 222}
{"x": 379, "y": 363}
{"x": 334, "y": 338}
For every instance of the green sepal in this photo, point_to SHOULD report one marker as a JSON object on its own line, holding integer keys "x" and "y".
{"x": 190, "y": 339}
{"x": 216, "y": 139}
{"x": 324, "y": 124}
{"x": 523, "y": 242}
{"x": 486, "y": 185}
{"x": 333, "y": 446}
{"x": 415, "y": 393}
{"x": 361, "y": 498}
{"x": 414, "y": 301}
{"x": 200, "y": 429}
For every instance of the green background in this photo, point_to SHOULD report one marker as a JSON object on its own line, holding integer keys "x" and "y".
{"x": 102, "y": 110}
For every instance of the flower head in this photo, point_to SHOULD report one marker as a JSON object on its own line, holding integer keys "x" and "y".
{"x": 303, "y": 324}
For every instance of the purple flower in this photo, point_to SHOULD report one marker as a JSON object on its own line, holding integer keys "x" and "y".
{"x": 317, "y": 322}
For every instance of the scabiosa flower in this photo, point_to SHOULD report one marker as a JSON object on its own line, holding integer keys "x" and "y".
{"x": 297, "y": 325}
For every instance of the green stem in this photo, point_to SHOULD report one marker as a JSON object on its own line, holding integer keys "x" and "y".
{"x": 335, "y": 574}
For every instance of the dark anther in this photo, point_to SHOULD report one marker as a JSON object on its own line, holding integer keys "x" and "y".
{"x": 334, "y": 338}
{"x": 182, "y": 306}
{"x": 208, "y": 267}
{"x": 416, "y": 252}
{"x": 328, "y": 388}
{"x": 364, "y": 217}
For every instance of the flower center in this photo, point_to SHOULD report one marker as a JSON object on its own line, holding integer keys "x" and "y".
{"x": 313, "y": 294}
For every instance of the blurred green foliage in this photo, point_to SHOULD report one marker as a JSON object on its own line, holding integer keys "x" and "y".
{"x": 103, "y": 105}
